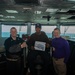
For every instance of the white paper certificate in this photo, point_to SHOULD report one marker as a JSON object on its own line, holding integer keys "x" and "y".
{"x": 39, "y": 46}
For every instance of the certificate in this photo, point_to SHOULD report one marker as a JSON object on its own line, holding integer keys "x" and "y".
{"x": 39, "y": 45}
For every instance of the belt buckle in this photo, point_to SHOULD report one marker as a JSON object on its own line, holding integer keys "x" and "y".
{"x": 56, "y": 59}
{"x": 12, "y": 59}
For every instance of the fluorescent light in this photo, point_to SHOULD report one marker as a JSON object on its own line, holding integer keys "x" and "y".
{"x": 2, "y": 19}
{"x": 73, "y": 6}
{"x": 1, "y": 15}
{"x": 37, "y": 12}
{"x": 12, "y": 11}
{"x": 27, "y": 8}
{"x": 63, "y": 17}
{"x": 20, "y": 20}
{"x": 63, "y": 10}
{"x": 10, "y": 16}
{"x": 71, "y": 0}
{"x": 51, "y": 10}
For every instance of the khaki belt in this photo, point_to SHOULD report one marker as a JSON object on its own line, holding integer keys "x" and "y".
{"x": 57, "y": 58}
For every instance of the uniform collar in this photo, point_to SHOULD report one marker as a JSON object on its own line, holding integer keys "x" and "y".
{"x": 38, "y": 33}
{"x": 13, "y": 39}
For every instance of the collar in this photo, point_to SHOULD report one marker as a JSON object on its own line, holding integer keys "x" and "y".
{"x": 38, "y": 33}
{"x": 58, "y": 37}
{"x": 17, "y": 38}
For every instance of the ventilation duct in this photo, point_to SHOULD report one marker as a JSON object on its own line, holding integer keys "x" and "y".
{"x": 26, "y": 1}
{"x": 72, "y": 17}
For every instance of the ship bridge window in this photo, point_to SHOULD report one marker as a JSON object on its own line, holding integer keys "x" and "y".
{"x": 20, "y": 30}
{"x": 47, "y": 29}
{"x": 68, "y": 31}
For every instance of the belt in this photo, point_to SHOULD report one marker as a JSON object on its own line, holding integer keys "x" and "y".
{"x": 11, "y": 59}
{"x": 57, "y": 58}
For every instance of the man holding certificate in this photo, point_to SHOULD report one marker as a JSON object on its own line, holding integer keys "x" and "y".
{"x": 38, "y": 45}
{"x": 38, "y": 36}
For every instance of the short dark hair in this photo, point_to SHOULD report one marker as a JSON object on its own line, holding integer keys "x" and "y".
{"x": 13, "y": 28}
{"x": 57, "y": 29}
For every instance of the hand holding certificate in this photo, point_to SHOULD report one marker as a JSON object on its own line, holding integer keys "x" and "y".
{"x": 40, "y": 46}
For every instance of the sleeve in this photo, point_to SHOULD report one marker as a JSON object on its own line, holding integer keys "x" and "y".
{"x": 6, "y": 46}
{"x": 67, "y": 51}
{"x": 52, "y": 42}
{"x": 46, "y": 38}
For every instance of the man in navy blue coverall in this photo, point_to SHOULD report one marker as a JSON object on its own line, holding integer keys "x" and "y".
{"x": 14, "y": 49}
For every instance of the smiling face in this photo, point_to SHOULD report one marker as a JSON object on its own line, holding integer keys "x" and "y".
{"x": 13, "y": 32}
{"x": 56, "y": 33}
{"x": 38, "y": 29}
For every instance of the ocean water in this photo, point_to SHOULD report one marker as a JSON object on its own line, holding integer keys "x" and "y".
{"x": 7, "y": 34}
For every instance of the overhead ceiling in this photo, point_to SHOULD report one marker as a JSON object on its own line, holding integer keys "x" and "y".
{"x": 38, "y": 11}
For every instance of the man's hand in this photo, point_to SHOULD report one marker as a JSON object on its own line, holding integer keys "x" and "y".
{"x": 53, "y": 49}
{"x": 47, "y": 45}
{"x": 32, "y": 48}
{"x": 23, "y": 45}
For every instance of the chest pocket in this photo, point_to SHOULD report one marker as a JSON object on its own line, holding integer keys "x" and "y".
{"x": 14, "y": 46}
{"x": 15, "y": 49}
{"x": 14, "y": 42}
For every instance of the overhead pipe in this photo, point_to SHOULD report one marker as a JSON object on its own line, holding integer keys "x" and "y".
{"x": 47, "y": 24}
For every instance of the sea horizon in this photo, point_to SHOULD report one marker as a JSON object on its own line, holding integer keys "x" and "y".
{"x": 7, "y": 34}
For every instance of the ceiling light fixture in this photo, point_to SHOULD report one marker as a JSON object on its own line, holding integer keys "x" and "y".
{"x": 20, "y": 20}
{"x": 1, "y": 15}
{"x": 10, "y": 17}
{"x": 27, "y": 8}
{"x": 71, "y": 0}
{"x": 12, "y": 11}
{"x": 51, "y": 10}
{"x": 64, "y": 10}
{"x": 1, "y": 19}
{"x": 37, "y": 12}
